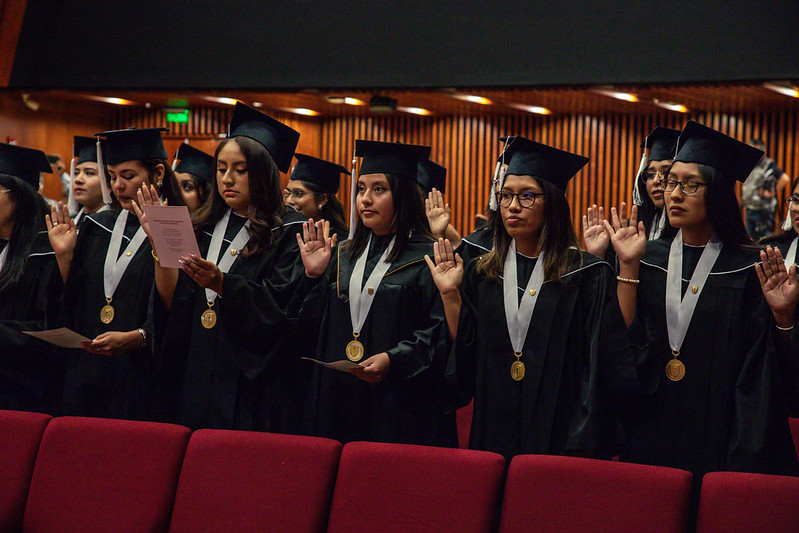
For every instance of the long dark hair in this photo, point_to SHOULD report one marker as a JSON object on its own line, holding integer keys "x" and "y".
{"x": 782, "y": 234}
{"x": 169, "y": 188}
{"x": 723, "y": 211}
{"x": 332, "y": 211}
{"x": 203, "y": 187}
{"x": 409, "y": 215}
{"x": 28, "y": 222}
{"x": 647, "y": 209}
{"x": 557, "y": 238}
{"x": 266, "y": 200}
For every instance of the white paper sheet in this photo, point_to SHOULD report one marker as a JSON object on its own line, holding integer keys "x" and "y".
{"x": 63, "y": 337}
{"x": 173, "y": 235}
{"x": 342, "y": 366}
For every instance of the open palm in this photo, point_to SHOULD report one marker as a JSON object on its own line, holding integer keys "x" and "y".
{"x": 780, "y": 287}
{"x": 315, "y": 247}
{"x": 447, "y": 270}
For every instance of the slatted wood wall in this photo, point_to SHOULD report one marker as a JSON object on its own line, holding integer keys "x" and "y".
{"x": 468, "y": 145}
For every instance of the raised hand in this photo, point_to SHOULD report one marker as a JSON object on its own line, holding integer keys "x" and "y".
{"x": 628, "y": 239}
{"x": 780, "y": 286}
{"x": 61, "y": 230}
{"x": 594, "y": 234}
{"x": 438, "y": 213}
{"x": 447, "y": 270}
{"x": 315, "y": 246}
{"x": 146, "y": 196}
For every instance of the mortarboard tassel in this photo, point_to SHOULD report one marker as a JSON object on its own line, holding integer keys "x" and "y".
{"x": 787, "y": 224}
{"x": 103, "y": 179}
{"x": 492, "y": 194}
{"x": 354, "y": 185}
{"x": 72, "y": 204}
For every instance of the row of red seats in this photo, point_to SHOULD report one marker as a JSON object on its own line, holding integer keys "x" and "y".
{"x": 83, "y": 474}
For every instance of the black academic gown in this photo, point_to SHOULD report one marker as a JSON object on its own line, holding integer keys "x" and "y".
{"x": 477, "y": 243}
{"x": 30, "y": 373}
{"x": 406, "y": 321}
{"x": 728, "y": 412}
{"x": 243, "y": 373}
{"x": 104, "y": 386}
{"x": 557, "y": 407}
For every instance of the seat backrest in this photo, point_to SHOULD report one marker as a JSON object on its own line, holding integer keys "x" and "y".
{"x": 20, "y": 435}
{"x": 245, "y": 481}
{"x": 737, "y": 501}
{"x": 395, "y": 487}
{"x": 105, "y": 475}
{"x": 551, "y": 493}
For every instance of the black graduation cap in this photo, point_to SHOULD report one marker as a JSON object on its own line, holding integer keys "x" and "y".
{"x": 391, "y": 158}
{"x": 432, "y": 175}
{"x": 661, "y": 143}
{"x": 132, "y": 145}
{"x": 526, "y": 157}
{"x": 195, "y": 162}
{"x": 53, "y": 158}
{"x": 85, "y": 149}
{"x": 323, "y": 173}
{"x": 276, "y": 137}
{"x": 706, "y": 146}
{"x": 23, "y": 163}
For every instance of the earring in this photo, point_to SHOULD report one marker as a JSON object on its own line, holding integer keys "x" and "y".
{"x": 319, "y": 207}
{"x": 159, "y": 183}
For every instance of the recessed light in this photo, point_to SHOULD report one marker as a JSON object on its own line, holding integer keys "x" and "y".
{"x": 257, "y": 104}
{"x": 671, "y": 106}
{"x": 301, "y": 111}
{"x": 112, "y": 100}
{"x": 482, "y": 100}
{"x": 221, "y": 100}
{"x": 782, "y": 89}
{"x": 538, "y": 110}
{"x": 414, "y": 110}
{"x": 618, "y": 95}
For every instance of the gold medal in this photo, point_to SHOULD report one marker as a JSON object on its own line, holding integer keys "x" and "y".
{"x": 675, "y": 370}
{"x": 208, "y": 319}
{"x": 354, "y": 349}
{"x": 694, "y": 289}
{"x": 107, "y": 314}
{"x": 517, "y": 368}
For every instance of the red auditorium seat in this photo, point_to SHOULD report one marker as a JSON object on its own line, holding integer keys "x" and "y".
{"x": 548, "y": 493}
{"x": 464, "y": 420}
{"x": 242, "y": 481}
{"x": 794, "y": 423}
{"x": 20, "y": 435}
{"x": 403, "y": 488}
{"x": 105, "y": 475}
{"x": 736, "y": 501}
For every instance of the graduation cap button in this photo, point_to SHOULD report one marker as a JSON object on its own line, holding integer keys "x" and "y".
{"x": 129, "y": 253}
{"x": 532, "y": 292}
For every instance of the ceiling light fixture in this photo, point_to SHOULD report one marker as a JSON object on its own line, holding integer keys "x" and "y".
{"x": 301, "y": 111}
{"x": 474, "y": 99}
{"x": 415, "y": 110}
{"x": 671, "y": 106}
{"x": 221, "y": 100}
{"x": 112, "y": 100}
{"x": 618, "y": 95}
{"x": 538, "y": 110}
{"x": 782, "y": 89}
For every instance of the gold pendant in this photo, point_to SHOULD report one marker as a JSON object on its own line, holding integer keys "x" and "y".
{"x": 354, "y": 350}
{"x": 517, "y": 371}
{"x": 675, "y": 370}
{"x": 107, "y": 314}
{"x": 694, "y": 289}
{"x": 208, "y": 319}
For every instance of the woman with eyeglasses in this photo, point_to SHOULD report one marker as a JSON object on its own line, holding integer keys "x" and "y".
{"x": 709, "y": 335}
{"x": 527, "y": 317}
{"x": 312, "y": 189}
{"x": 647, "y": 195}
{"x": 786, "y": 238}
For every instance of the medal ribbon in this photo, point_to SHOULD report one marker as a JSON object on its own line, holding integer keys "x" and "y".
{"x": 360, "y": 299}
{"x": 215, "y": 249}
{"x": 114, "y": 268}
{"x": 518, "y": 314}
{"x": 657, "y": 228}
{"x": 790, "y": 257}
{"x": 4, "y": 256}
{"x": 679, "y": 313}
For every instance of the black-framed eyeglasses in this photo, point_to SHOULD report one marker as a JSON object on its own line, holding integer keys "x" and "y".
{"x": 792, "y": 202}
{"x": 687, "y": 187}
{"x": 526, "y": 198}
{"x": 647, "y": 175}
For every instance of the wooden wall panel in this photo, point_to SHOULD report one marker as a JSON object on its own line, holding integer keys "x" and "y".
{"x": 468, "y": 145}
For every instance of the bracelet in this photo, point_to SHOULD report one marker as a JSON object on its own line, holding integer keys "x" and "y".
{"x": 155, "y": 256}
{"x": 783, "y": 329}
{"x": 628, "y": 280}
{"x": 143, "y": 337}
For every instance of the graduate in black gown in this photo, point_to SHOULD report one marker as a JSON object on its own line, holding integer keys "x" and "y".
{"x": 528, "y": 316}
{"x": 708, "y": 341}
{"x": 397, "y": 336}
{"x": 647, "y": 195}
{"x": 223, "y": 343}
{"x": 107, "y": 272}
{"x": 194, "y": 172}
{"x": 29, "y": 286}
{"x": 312, "y": 189}
{"x": 85, "y": 192}
{"x": 786, "y": 238}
